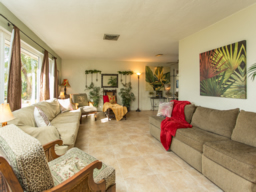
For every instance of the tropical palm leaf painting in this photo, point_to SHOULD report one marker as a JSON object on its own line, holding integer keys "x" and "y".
{"x": 223, "y": 71}
{"x": 156, "y": 77}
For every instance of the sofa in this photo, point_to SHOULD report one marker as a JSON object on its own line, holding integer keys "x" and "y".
{"x": 64, "y": 126}
{"x": 221, "y": 145}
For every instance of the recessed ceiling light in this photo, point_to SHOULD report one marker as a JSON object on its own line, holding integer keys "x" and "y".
{"x": 111, "y": 37}
{"x": 159, "y": 55}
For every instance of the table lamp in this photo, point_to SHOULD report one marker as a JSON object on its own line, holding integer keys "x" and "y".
{"x": 62, "y": 96}
{"x": 5, "y": 114}
{"x": 65, "y": 83}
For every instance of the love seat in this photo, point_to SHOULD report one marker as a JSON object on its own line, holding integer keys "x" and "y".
{"x": 64, "y": 126}
{"x": 221, "y": 145}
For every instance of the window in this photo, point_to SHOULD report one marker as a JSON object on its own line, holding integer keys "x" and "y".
{"x": 6, "y": 69}
{"x": 29, "y": 78}
{"x": 30, "y": 70}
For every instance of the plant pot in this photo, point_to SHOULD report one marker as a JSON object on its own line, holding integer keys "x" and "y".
{"x": 128, "y": 108}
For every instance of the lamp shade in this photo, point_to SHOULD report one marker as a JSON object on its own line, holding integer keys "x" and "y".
{"x": 65, "y": 83}
{"x": 167, "y": 87}
{"x": 138, "y": 73}
{"x": 5, "y": 113}
{"x": 62, "y": 95}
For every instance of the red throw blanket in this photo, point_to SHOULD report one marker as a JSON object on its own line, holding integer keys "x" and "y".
{"x": 170, "y": 125}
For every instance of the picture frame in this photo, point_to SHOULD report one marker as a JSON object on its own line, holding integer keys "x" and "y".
{"x": 109, "y": 80}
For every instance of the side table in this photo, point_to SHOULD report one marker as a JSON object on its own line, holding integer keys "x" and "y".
{"x": 152, "y": 100}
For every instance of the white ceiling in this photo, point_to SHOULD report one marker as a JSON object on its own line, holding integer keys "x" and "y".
{"x": 74, "y": 29}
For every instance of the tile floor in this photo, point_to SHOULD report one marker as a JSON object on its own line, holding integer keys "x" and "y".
{"x": 140, "y": 161}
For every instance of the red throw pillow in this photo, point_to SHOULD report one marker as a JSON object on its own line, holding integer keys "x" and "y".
{"x": 105, "y": 98}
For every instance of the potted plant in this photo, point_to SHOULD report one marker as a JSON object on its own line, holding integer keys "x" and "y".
{"x": 94, "y": 94}
{"x": 126, "y": 95}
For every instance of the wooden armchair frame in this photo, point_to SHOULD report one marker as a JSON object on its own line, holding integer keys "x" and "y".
{"x": 81, "y": 181}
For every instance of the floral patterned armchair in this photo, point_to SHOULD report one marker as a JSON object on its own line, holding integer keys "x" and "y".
{"x": 24, "y": 166}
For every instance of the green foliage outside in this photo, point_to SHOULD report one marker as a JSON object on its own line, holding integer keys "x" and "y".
{"x": 112, "y": 81}
{"x": 126, "y": 94}
{"x": 29, "y": 69}
{"x": 94, "y": 94}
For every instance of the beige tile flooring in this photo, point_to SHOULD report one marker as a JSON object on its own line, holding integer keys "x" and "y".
{"x": 140, "y": 161}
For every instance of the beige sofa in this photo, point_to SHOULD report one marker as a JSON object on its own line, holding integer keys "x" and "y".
{"x": 64, "y": 126}
{"x": 221, "y": 145}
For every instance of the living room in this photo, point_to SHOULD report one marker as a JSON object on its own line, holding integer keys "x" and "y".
{"x": 113, "y": 85}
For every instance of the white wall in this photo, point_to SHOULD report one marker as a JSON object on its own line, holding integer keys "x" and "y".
{"x": 237, "y": 27}
{"x": 74, "y": 71}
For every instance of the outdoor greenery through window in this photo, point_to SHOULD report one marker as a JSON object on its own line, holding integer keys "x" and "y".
{"x": 29, "y": 76}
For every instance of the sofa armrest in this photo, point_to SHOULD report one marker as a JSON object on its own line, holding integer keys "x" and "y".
{"x": 49, "y": 150}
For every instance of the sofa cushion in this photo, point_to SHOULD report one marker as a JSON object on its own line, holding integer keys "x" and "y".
{"x": 51, "y": 108}
{"x": 40, "y": 118}
{"x": 234, "y": 156}
{"x": 245, "y": 129}
{"x": 156, "y": 121}
{"x": 195, "y": 137}
{"x": 27, "y": 159}
{"x": 216, "y": 121}
{"x": 189, "y": 111}
{"x": 43, "y": 134}
{"x": 24, "y": 116}
{"x": 88, "y": 109}
{"x": 73, "y": 161}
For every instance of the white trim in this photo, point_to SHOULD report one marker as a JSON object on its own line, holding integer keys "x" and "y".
{"x": 1, "y": 67}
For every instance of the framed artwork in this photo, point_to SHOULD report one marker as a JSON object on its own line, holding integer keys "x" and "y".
{"x": 223, "y": 71}
{"x": 109, "y": 80}
{"x": 156, "y": 77}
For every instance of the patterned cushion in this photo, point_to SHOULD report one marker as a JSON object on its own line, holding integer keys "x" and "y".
{"x": 87, "y": 109}
{"x": 26, "y": 156}
{"x": 40, "y": 118}
{"x": 73, "y": 161}
{"x": 165, "y": 109}
{"x": 112, "y": 99}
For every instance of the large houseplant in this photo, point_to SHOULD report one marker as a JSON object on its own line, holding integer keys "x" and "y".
{"x": 126, "y": 95}
{"x": 94, "y": 94}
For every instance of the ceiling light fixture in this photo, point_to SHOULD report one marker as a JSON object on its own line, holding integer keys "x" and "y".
{"x": 159, "y": 55}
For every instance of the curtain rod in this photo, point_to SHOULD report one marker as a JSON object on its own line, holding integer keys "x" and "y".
{"x": 26, "y": 35}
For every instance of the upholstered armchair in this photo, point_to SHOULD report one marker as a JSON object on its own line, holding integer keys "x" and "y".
{"x": 81, "y": 101}
{"x": 26, "y": 165}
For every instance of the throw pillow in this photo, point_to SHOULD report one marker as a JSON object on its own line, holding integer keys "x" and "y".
{"x": 105, "y": 98}
{"x": 112, "y": 99}
{"x": 165, "y": 109}
{"x": 65, "y": 105}
{"x": 40, "y": 118}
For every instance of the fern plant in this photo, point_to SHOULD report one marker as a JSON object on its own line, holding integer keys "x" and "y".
{"x": 252, "y": 71}
{"x": 94, "y": 94}
{"x": 126, "y": 95}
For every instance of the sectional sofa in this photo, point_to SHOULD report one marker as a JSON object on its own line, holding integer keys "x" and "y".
{"x": 64, "y": 126}
{"x": 221, "y": 145}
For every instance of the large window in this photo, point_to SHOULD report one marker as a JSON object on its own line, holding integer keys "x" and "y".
{"x": 30, "y": 70}
{"x": 29, "y": 76}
